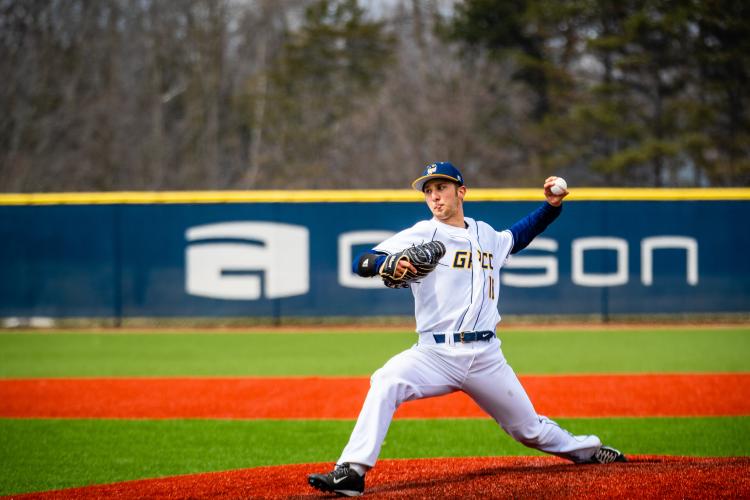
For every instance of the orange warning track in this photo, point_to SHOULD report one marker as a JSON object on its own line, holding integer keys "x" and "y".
{"x": 644, "y": 477}
{"x": 318, "y": 398}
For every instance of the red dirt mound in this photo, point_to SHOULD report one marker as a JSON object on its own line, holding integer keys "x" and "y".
{"x": 496, "y": 477}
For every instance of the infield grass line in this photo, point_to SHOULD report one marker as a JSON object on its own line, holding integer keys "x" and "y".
{"x": 44, "y": 454}
{"x": 361, "y": 352}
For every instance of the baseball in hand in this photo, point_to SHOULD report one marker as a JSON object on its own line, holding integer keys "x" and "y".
{"x": 559, "y": 187}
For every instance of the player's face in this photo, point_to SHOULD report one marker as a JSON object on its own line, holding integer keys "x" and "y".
{"x": 445, "y": 201}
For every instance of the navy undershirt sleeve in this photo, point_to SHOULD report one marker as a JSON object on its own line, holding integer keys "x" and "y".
{"x": 378, "y": 261}
{"x": 533, "y": 225}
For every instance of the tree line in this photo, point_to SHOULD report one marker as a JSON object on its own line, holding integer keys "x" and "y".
{"x": 103, "y": 95}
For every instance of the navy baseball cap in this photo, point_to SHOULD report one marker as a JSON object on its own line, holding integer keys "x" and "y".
{"x": 439, "y": 170}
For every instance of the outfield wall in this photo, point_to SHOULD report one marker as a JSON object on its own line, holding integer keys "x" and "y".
{"x": 276, "y": 254}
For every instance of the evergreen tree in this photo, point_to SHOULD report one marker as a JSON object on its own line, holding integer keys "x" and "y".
{"x": 335, "y": 59}
{"x": 721, "y": 55}
{"x": 645, "y": 92}
{"x": 506, "y": 29}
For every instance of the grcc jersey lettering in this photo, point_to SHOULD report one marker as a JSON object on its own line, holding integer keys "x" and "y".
{"x": 253, "y": 260}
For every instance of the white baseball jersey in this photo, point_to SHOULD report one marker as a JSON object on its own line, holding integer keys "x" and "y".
{"x": 461, "y": 294}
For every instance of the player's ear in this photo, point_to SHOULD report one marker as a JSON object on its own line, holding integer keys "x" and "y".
{"x": 461, "y": 192}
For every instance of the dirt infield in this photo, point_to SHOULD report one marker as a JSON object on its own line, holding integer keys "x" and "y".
{"x": 645, "y": 477}
{"x": 311, "y": 398}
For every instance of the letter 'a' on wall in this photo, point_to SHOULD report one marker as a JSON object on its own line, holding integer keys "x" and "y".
{"x": 346, "y": 241}
{"x": 546, "y": 263}
{"x": 227, "y": 260}
{"x": 578, "y": 272}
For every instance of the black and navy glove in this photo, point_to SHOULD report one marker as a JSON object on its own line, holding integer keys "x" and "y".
{"x": 424, "y": 258}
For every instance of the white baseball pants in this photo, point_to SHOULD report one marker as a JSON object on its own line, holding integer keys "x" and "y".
{"x": 481, "y": 371}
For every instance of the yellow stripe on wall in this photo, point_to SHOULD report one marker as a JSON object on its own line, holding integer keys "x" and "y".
{"x": 379, "y": 195}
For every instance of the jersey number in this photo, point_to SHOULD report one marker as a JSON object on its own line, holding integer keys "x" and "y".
{"x": 491, "y": 291}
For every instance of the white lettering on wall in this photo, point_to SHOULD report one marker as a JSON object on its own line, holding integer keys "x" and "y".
{"x": 582, "y": 245}
{"x": 222, "y": 269}
{"x": 346, "y": 241}
{"x": 648, "y": 245}
{"x": 547, "y": 263}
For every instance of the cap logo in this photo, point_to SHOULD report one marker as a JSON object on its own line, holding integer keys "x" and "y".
{"x": 431, "y": 169}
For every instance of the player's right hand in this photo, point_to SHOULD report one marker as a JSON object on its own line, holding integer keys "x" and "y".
{"x": 396, "y": 266}
{"x": 553, "y": 199}
{"x": 403, "y": 266}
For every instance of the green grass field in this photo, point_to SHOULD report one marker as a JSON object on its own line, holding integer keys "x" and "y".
{"x": 41, "y": 454}
{"x": 360, "y": 353}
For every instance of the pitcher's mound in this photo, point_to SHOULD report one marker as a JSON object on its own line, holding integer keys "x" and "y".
{"x": 478, "y": 477}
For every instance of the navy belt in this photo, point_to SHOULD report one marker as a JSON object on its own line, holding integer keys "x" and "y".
{"x": 464, "y": 337}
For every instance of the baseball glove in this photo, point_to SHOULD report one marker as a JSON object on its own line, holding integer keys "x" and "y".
{"x": 424, "y": 258}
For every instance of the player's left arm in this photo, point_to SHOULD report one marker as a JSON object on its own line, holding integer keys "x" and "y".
{"x": 531, "y": 226}
{"x": 369, "y": 263}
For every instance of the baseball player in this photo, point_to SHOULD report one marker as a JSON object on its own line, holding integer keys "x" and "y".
{"x": 456, "y": 316}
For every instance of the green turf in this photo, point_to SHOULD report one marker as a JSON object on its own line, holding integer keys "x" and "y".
{"x": 41, "y": 454}
{"x": 360, "y": 353}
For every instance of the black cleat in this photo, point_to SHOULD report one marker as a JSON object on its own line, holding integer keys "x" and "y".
{"x": 342, "y": 480}
{"x": 607, "y": 455}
